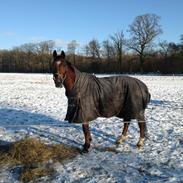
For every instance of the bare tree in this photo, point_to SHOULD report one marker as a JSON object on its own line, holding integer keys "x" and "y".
{"x": 143, "y": 31}
{"x": 118, "y": 41}
{"x": 93, "y": 48}
{"x": 28, "y": 50}
{"x": 108, "y": 50}
{"x": 44, "y": 50}
{"x": 86, "y": 50}
{"x": 181, "y": 39}
{"x": 71, "y": 49}
{"x": 181, "y": 44}
{"x": 164, "y": 48}
{"x": 174, "y": 49}
{"x": 45, "y": 47}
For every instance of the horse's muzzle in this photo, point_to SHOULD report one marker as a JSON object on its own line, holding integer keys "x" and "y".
{"x": 58, "y": 83}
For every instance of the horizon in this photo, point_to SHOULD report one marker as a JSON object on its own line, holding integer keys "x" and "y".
{"x": 67, "y": 20}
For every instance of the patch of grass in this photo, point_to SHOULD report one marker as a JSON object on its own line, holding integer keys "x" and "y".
{"x": 31, "y": 153}
{"x": 28, "y": 175}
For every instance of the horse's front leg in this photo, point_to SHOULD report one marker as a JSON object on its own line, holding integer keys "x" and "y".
{"x": 88, "y": 138}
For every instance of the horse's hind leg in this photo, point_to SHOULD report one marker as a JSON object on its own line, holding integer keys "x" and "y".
{"x": 123, "y": 136}
{"x": 143, "y": 130}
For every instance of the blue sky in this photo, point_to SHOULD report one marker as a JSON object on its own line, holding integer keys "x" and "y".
{"x": 25, "y": 21}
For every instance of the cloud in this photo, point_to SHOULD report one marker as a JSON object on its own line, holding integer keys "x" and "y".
{"x": 26, "y": 38}
{"x": 36, "y": 39}
{"x": 60, "y": 43}
{"x": 20, "y": 39}
{"x": 64, "y": 43}
{"x": 9, "y": 34}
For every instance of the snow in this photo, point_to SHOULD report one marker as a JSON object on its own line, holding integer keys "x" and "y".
{"x": 30, "y": 105}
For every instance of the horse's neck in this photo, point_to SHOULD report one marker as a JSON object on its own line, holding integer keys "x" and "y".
{"x": 70, "y": 79}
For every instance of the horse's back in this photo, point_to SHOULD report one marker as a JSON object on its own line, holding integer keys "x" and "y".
{"x": 123, "y": 96}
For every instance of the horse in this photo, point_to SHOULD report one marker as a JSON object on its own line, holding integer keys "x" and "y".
{"x": 90, "y": 97}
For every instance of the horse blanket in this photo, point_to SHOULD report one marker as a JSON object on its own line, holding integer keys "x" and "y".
{"x": 92, "y": 97}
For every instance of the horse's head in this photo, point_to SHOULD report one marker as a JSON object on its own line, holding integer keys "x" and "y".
{"x": 59, "y": 67}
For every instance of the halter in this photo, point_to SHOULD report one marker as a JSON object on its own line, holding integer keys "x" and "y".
{"x": 60, "y": 78}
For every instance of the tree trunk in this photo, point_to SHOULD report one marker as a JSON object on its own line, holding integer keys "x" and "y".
{"x": 120, "y": 62}
{"x": 141, "y": 64}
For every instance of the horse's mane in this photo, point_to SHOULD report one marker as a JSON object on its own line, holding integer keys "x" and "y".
{"x": 70, "y": 65}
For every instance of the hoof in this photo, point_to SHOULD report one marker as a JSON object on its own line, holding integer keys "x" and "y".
{"x": 85, "y": 148}
{"x": 140, "y": 142}
{"x": 84, "y": 151}
{"x": 121, "y": 139}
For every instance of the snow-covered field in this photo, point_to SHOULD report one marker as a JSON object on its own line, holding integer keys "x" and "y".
{"x": 30, "y": 105}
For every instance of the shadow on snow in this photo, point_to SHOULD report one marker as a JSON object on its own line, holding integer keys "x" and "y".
{"x": 17, "y": 119}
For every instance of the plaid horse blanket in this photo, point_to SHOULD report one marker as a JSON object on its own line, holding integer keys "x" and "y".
{"x": 92, "y": 97}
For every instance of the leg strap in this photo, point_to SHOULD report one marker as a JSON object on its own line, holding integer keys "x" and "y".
{"x": 141, "y": 142}
{"x": 121, "y": 139}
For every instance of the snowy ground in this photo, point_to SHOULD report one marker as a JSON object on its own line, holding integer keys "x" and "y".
{"x": 32, "y": 99}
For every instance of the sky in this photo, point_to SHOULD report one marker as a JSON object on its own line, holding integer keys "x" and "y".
{"x": 26, "y": 21}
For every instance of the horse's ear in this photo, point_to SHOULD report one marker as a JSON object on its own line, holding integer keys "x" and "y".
{"x": 62, "y": 54}
{"x": 54, "y": 54}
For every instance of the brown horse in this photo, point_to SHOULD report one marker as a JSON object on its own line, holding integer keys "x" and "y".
{"x": 90, "y": 97}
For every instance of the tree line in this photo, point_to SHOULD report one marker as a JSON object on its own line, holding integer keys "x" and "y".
{"x": 116, "y": 54}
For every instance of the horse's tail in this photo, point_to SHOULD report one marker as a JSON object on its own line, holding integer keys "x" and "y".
{"x": 149, "y": 97}
{"x": 146, "y": 98}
